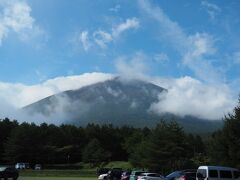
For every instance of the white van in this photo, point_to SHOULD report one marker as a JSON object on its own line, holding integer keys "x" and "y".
{"x": 217, "y": 173}
{"x": 20, "y": 166}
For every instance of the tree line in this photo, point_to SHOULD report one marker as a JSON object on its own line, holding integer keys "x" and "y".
{"x": 163, "y": 148}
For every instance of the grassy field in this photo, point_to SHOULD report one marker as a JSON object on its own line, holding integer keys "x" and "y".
{"x": 58, "y": 173}
{"x": 87, "y": 173}
{"x": 57, "y": 178}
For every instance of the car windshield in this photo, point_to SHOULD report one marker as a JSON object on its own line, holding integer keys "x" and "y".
{"x": 174, "y": 174}
{"x": 126, "y": 173}
{"x": 138, "y": 173}
{"x": 153, "y": 175}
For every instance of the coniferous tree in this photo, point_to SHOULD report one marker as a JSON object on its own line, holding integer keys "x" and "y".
{"x": 224, "y": 146}
{"x": 94, "y": 154}
{"x": 164, "y": 150}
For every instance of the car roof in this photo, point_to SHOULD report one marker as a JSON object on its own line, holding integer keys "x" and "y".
{"x": 189, "y": 170}
{"x": 218, "y": 168}
{"x": 148, "y": 173}
{"x": 138, "y": 171}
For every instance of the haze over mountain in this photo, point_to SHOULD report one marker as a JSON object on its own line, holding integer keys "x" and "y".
{"x": 116, "y": 101}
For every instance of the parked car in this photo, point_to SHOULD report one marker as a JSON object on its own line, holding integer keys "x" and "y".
{"x": 102, "y": 171}
{"x": 217, "y": 173}
{"x": 38, "y": 167}
{"x": 187, "y": 174}
{"x": 134, "y": 174}
{"x": 126, "y": 175}
{"x": 103, "y": 176}
{"x": 8, "y": 172}
{"x": 114, "y": 174}
{"x": 150, "y": 176}
{"x": 22, "y": 165}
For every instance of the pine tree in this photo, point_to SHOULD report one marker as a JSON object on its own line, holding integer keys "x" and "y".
{"x": 94, "y": 154}
{"x": 165, "y": 149}
{"x": 224, "y": 147}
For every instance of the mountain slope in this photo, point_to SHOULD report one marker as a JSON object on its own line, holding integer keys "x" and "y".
{"x": 114, "y": 102}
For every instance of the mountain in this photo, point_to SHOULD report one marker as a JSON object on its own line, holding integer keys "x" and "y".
{"x": 118, "y": 102}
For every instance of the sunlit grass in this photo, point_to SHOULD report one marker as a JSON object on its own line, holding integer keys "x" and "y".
{"x": 57, "y": 178}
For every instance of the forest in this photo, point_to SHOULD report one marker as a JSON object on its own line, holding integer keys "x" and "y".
{"x": 163, "y": 148}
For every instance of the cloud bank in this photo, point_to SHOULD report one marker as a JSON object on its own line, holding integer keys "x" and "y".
{"x": 185, "y": 96}
{"x": 19, "y": 95}
{"x": 13, "y": 96}
{"x": 188, "y": 96}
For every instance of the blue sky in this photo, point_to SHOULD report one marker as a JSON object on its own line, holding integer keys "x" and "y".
{"x": 57, "y": 49}
{"x": 41, "y": 40}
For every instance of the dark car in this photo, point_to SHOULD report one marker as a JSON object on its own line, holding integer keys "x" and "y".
{"x": 8, "y": 172}
{"x": 126, "y": 175}
{"x": 114, "y": 174}
{"x": 102, "y": 171}
{"x": 188, "y": 174}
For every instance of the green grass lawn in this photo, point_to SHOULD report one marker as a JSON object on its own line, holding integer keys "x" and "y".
{"x": 87, "y": 173}
{"x": 58, "y": 173}
{"x": 57, "y": 178}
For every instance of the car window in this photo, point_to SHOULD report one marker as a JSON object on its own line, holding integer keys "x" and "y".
{"x": 153, "y": 175}
{"x": 138, "y": 173}
{"x": 225, "y": 174}
{"x": 127, "y": 173}
{"x": 191, "y": 174}
{"x": 236, "y": 174}
{"x": 201, "y": 173}
{"x": 9, "y": 169}
{"x": 213, "y": 173}
{"x": 174, "y": 174}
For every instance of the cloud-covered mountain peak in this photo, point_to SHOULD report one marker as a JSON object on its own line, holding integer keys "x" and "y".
{"x": 111, "y": 101}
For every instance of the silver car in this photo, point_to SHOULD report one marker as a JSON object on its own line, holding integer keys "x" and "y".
{"x": 150, "y": 176}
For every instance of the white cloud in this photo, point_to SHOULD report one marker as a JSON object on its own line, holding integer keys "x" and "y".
{"x": 19, "y": 95}
{"x": 132, "y": 67}
{"x": 132, "y": 23}
{"x": 85, "y": 40}
{"x": 185, "y": 96}
{"x": 195, "y": 49}
{"x": 188, "y": 96}
{"x": 161, "y": 57}
{"x": 102, "y": 38}
{"x": 212, "y": 9}
{"x": 15, "y": 16}
{"x": 115, "y": 8}
{"x": 236, "y": 57}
